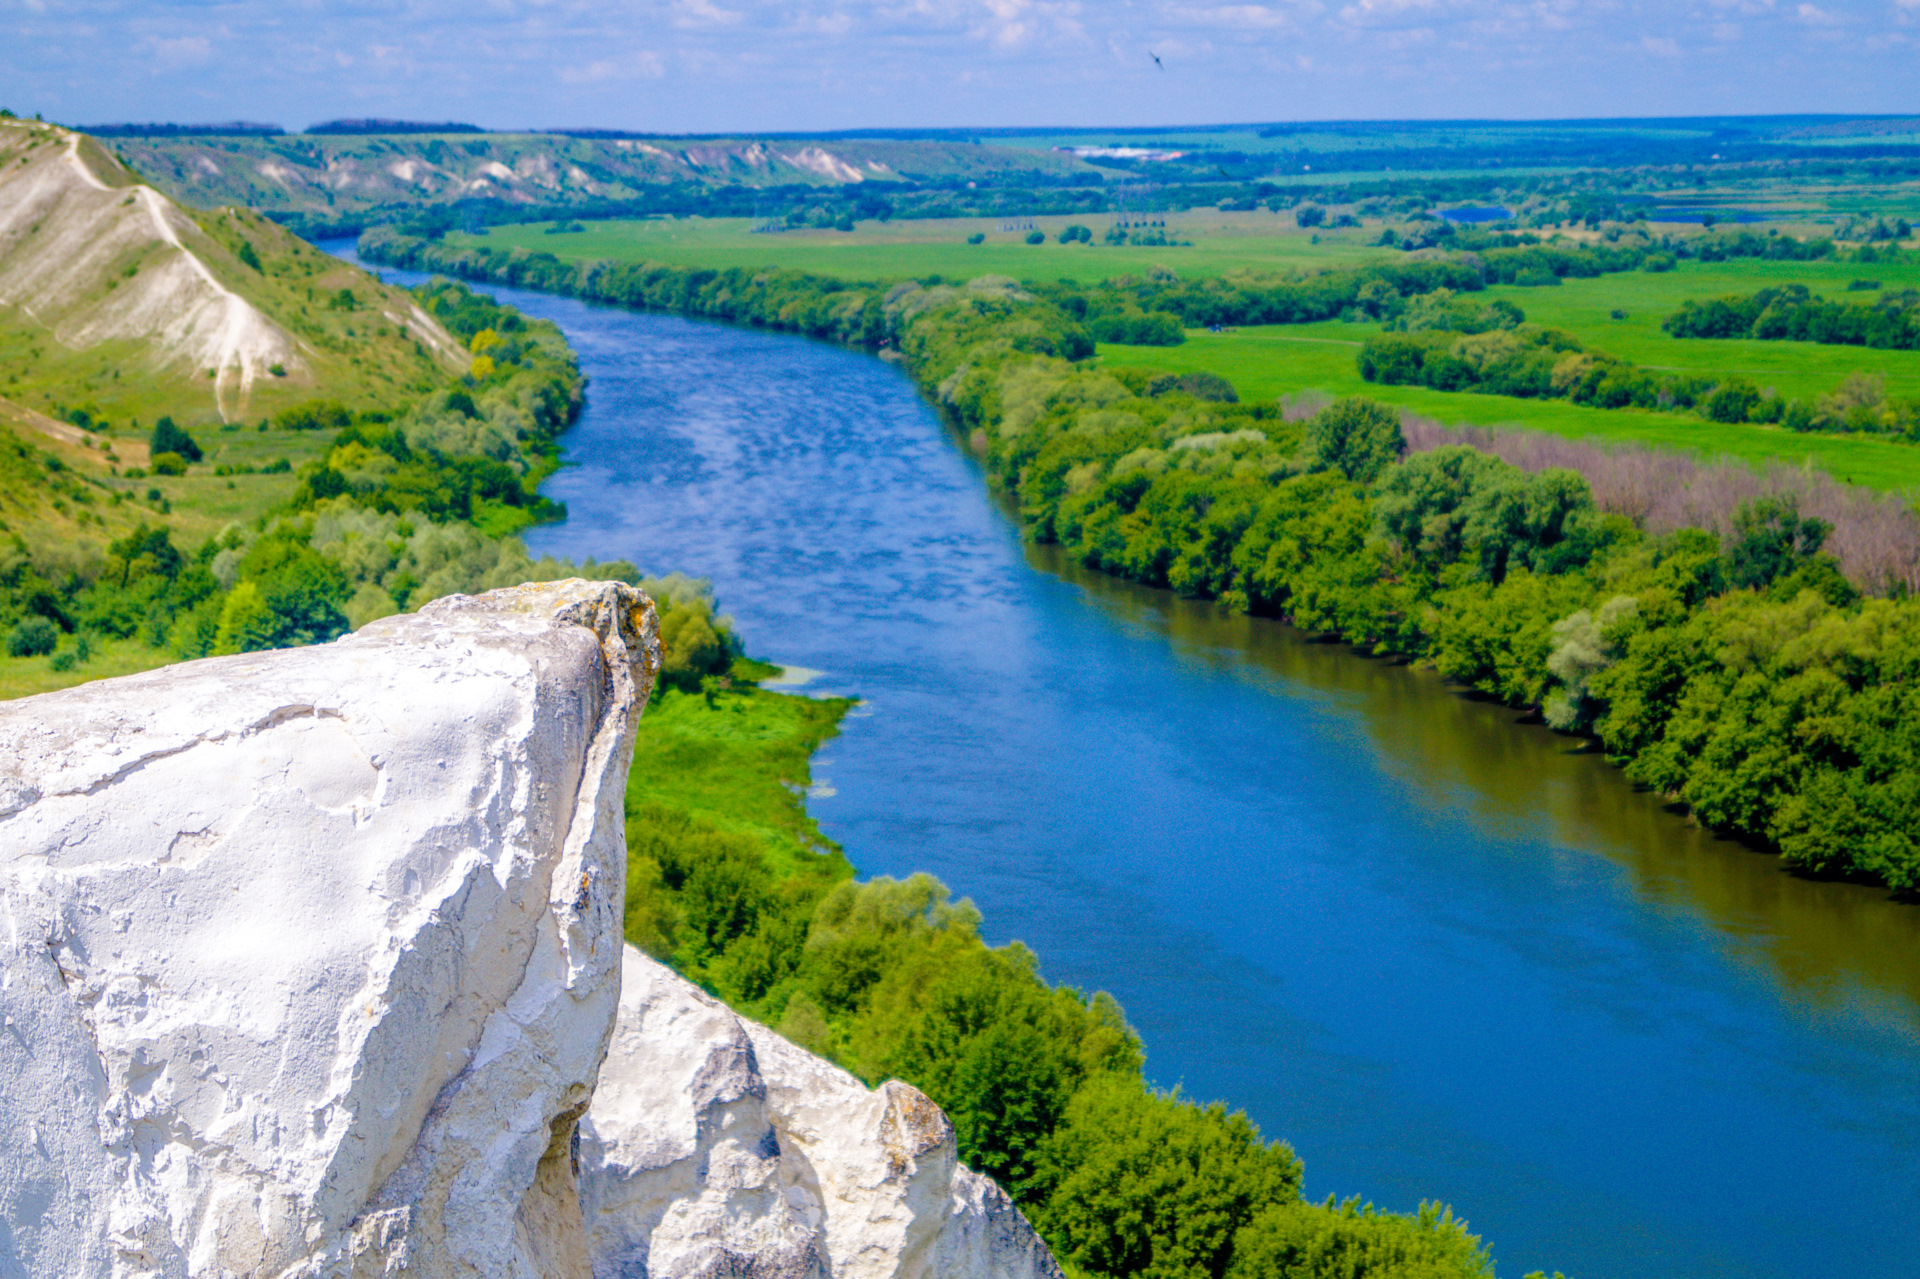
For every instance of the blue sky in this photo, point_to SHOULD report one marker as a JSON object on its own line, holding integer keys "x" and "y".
{"x": 725, "y": 65}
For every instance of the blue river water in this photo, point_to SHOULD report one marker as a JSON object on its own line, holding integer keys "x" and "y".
{"x": 1444, "y": 954}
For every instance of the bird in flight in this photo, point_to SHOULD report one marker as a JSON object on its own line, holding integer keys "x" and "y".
{"x": 1156, "y": 60}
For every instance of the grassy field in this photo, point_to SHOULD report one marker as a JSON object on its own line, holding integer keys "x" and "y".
{"x": 740, "y": 763}
{"x": 26, "y": 676}
{"x": 1267, "y": 362}
{"x": 1264, "y": 363}
{"x": 1222, "y": 242}
{"x": 1796, "y": 369}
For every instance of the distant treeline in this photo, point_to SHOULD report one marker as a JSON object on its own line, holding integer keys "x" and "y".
{"x": 1745, "y": 676}
{"x": 1531, "y": 362}
{"x": 357, "y": 126}
{"x": 230, "y": 129}
{"x": 1790, "y": 313}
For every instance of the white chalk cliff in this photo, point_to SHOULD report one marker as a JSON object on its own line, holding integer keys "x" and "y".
{"x": 310, "y": 965}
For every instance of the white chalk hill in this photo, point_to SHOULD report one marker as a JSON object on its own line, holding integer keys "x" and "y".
{"x": 311, "y": 965}
{"x": 93, "y": 256}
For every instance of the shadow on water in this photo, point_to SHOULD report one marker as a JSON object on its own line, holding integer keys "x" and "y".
{"x": 1519, "y": 781}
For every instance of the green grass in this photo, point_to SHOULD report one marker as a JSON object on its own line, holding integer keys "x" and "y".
{"x": 25, "y": 676}
{"x": 1264, "y": 363}
{"x": 741, "y": 764}
{"x": 1222, "y": 242}
{"x": 1267, "y": 362}
{"x": 1795, "y": 369}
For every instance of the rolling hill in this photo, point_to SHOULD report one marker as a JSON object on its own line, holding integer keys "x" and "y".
{"x": 118, "y": 303}
{"x": 354, "y": 179}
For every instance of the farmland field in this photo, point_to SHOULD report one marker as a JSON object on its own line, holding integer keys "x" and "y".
{"x": 1222, "y": 242}
{"x": 1266, "y": 362}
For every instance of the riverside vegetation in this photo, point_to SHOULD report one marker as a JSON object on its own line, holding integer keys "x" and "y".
{"x": 1740, "y": 669}
{"x": 730, "y": 881}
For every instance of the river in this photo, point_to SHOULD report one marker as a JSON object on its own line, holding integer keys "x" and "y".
{"x": 1445, "y": 954}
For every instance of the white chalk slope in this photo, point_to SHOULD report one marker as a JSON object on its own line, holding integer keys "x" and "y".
{"x": 66, "y": 235}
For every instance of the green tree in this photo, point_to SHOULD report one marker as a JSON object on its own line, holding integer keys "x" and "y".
{"x": 1772, "y": 540}
{"x": 169, "y": 438}
{"x": 1356, "y": 436}
{"x": 1147, "y": 1184}
{"x": 246, "y": 624}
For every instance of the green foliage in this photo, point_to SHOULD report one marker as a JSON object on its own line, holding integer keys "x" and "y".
{"x": 1354, "y": 1241}
{"x": 169, "y": 438}
{"x": 32, "y": 637}
{"x": 1138, "y": 1183}
{"x": 1140, "y": 328}
{"x": 1358, "y": 437}
{"x": 248, "y": 257}
{"x": 730, "y": 881}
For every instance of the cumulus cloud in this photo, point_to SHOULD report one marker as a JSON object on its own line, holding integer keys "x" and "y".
{"x": 703, "y": 13}
{"x": 1660, "y": 46}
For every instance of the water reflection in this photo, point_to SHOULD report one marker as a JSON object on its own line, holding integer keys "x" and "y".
{"x": 1830, "y": 946}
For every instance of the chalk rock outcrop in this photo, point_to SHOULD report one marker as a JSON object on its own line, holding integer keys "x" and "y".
{"x": 714, "y": 1148}
{"x": 311, "y": 957}
{"x": 311, "y": 965}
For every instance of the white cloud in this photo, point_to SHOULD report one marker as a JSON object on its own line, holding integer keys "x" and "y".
{"x": 1382, "y": 11}
{"x": 1660, "y": 46}
{"x": 703, "y": 13}
{"x": 1244, "y": 17}
{"x": 633, "y": 66}
{"x": 180, "y": 51}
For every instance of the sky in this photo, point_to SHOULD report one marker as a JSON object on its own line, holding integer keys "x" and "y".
{"x": 753, "y": 65}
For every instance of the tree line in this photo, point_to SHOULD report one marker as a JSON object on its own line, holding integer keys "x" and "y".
{"x": 1791, "y": 313}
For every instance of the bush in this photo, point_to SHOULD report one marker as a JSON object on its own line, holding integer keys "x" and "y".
{"x": 1036, "y": 237}
{"x": 169, "y": 464}
{"x": 1150, "y": 328}
{"x": 168, "y": 438}
{"x": 978, "y": 237}
{"x": 34, "y": 637}
{"x": 1309, "y": 215}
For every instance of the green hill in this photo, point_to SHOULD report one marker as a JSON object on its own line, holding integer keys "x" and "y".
{"x": 117, "y": 303}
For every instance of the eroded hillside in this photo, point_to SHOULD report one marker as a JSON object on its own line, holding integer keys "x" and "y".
{"x": 341, "y": 178}
{"x": 118, "y": 303}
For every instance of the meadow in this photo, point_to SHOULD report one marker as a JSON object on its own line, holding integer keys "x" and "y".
{"x": 1269, "y": 362}
{"x": 1222, "y": 243}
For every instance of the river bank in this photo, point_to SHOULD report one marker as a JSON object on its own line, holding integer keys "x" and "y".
{"x": 1397, "y": 927}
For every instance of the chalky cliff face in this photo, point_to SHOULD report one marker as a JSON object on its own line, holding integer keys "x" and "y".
{"x": 312, "y": 955}
{"x": 310, "y": 963}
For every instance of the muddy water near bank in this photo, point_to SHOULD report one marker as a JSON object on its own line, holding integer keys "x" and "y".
{"x": 1445, "y": 954}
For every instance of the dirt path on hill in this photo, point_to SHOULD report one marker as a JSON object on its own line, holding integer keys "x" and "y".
{"x": 130, "y": 452}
